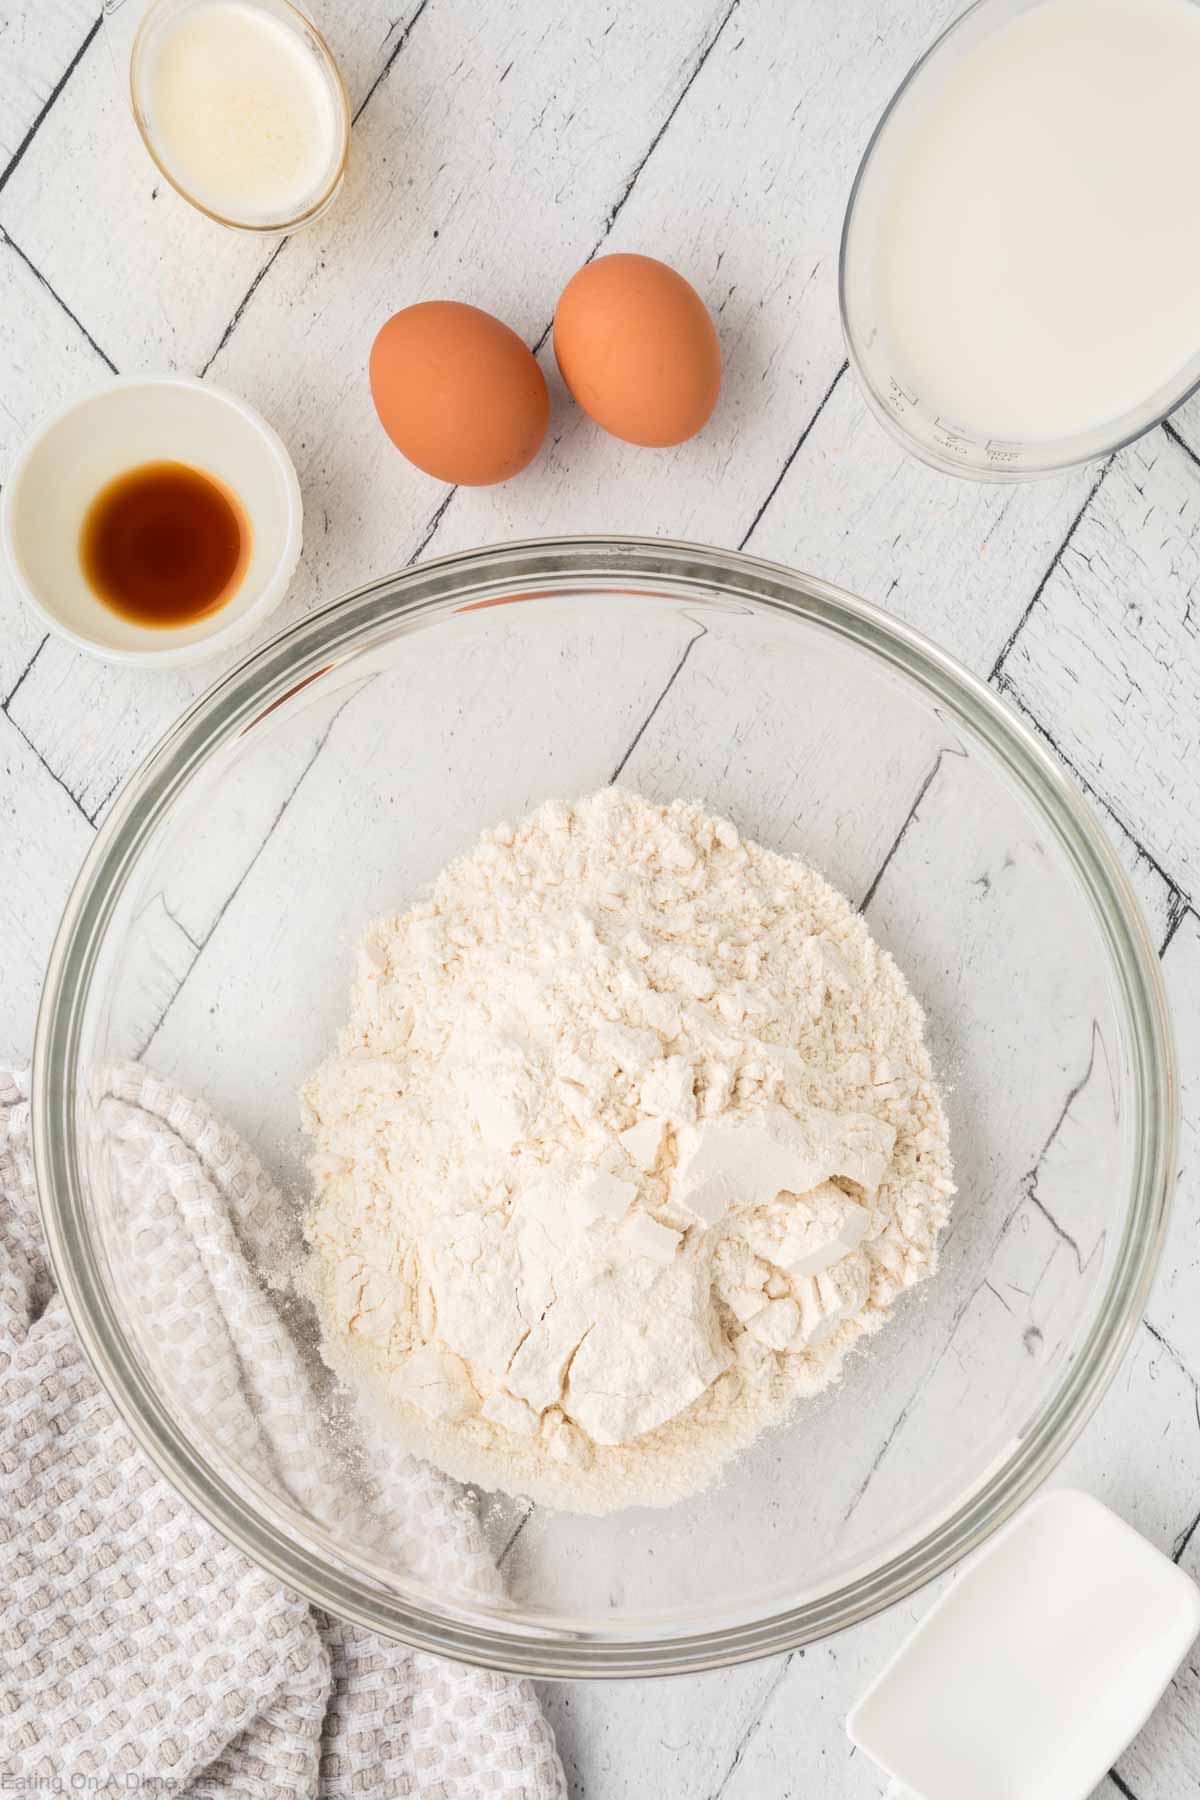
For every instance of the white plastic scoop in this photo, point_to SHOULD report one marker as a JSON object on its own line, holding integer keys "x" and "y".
{"x": 1038, "y": 1667}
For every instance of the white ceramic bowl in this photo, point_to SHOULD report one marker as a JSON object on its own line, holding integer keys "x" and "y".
{"x": 133, "y": 420}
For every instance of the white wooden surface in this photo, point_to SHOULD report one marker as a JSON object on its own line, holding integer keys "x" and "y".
{"x": 496, "y": 147}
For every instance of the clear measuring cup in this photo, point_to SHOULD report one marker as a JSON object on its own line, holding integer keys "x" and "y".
{"x": 948, "y": 443}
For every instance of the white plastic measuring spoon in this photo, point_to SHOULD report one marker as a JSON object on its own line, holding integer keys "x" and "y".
{"x": 1038, "y": 1667}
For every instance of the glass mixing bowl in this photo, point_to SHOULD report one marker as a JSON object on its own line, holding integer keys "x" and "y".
{"x": 339, "y": 768}
{"x": 955, "y": 446}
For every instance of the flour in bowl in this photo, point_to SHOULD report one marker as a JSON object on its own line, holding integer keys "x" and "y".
{"x": 631, "y": 1135}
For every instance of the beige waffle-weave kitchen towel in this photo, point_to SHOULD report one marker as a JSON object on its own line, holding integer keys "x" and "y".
{"x": 138, "y": 1650}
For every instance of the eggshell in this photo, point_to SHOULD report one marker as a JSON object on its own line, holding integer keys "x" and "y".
{"x": 637, "y": 348}
{"x": 458, "y": 393}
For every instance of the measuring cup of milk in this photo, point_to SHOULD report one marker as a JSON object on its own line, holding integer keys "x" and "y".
{"x": 1020, "y": 267}
{"x": 241, "y": 105}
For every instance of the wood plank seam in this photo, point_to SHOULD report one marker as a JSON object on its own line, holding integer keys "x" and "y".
{"x": 908, "y": 819}
{"x": 1017, "y": 629}
{"x": 284, "y": 804}
{"x": 752, "y": 1728}
{"x": 432, "y": 526}
{"x": 614, "y": 212}
{"x": 1026, "y": 1190}
{"x": 239, "y": 309}
{"x": 10, "y": 243}
{"x": 91, "y": 817}
{"x": 12, "y": 692}
{"x": 383, "y": 74}
{"x": 73, "y": 798}
{"x": 1177, "y": 911}
{"x": 1176, "y": 895}
{"x": 670, "y": 683}
{"x": 1184, "y": 1539}
{"x": 1180, "y": 1363}
{"x": 15, "y": 159}
{"x": 791, "y": 456}
{"x": 519, "y": 1528}
{"x": 1180, "y": 443}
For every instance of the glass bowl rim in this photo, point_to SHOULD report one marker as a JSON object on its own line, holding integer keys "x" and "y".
{"x": 347, "y": 626}
{"x": 1062, "y": 454}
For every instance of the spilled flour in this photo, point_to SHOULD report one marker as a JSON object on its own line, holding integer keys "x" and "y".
{"x": 630, "y": 1137}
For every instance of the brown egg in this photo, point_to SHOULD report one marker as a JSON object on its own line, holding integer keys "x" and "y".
{"x": 458, "y": 393}
{"x": 637, "y": 349}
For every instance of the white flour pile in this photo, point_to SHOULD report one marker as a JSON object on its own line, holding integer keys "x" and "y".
{"x": 630, "y": 1137}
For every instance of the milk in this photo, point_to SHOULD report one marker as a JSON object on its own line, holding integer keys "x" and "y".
{"x": 1038, "y": 266}
{"x": 242, "y": 113}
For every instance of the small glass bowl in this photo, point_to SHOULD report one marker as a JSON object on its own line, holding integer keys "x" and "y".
{"x": 328, "y": 780}
{"x": 158, "y": 16}
{"x": 947, "y": 444}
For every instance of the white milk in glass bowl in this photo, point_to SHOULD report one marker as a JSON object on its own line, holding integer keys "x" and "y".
{"x": 1020, "y": 270}
{"x": 241, "y": 105}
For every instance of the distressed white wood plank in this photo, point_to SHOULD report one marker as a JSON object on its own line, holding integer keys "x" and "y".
{"x": 94, "y": 721}
{"x": 37, "y": 43}
{"x": 86, "y": 197}
{"x": 799, "y": 1744}
{"x": 163, "y": 952}
{"x": 1021, "y": 1109}
{"x": 1015, "y": 1326}
{"x": 787, "y": 765}
{"x": 626, "y": 1740}
{"x": 743, "y": 733}
{"x": 944, "y": 932}
{"x": 1109, "y": 659}
{"x": 43, "y": 839}
{"x": 768, "y": 1732}
{"x": 46, "y": 361}
{"x": 957, "y": 559}
{"x": 1158, "y": 897}
{"x": 222, "y": 843}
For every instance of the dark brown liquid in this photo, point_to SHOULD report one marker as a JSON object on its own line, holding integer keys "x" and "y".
{"x": 164, "y": 544}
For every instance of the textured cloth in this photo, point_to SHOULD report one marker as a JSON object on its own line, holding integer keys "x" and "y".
{"x": 137, "y": 1648}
